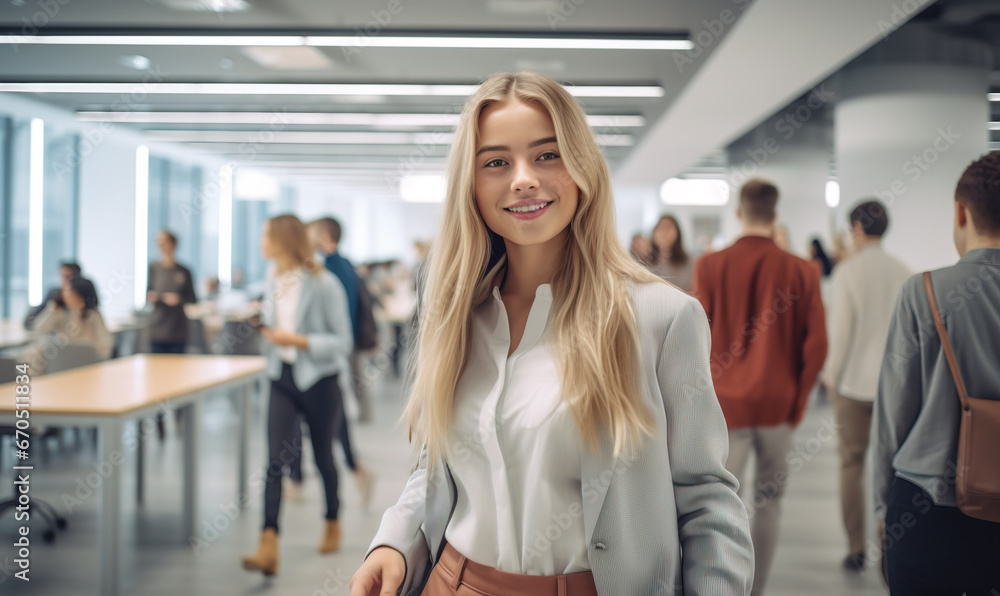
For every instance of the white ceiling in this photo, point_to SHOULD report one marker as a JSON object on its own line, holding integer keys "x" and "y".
{"x": 22, "y": 62}
{"x": 741, "y": 72}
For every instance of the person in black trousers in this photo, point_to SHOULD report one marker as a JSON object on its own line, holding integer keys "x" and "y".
{"x": 307, "y": 329}
{"x": 168, "y": 288}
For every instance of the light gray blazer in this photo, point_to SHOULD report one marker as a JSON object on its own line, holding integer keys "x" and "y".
{"x": 321, "y": 316}
{"x": 640, "y": 514}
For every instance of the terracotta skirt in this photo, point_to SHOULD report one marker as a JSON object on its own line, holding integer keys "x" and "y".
{"x": 454, "y": 575}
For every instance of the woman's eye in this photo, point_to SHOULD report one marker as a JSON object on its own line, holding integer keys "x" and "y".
{"x": 495, "y": 163}
{"x": 548, "y": 155}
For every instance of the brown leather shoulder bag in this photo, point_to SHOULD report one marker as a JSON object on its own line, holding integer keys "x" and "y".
{"x": 977, "y": 483}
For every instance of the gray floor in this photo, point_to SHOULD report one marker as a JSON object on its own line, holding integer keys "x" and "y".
{"x": 160, "y": 561}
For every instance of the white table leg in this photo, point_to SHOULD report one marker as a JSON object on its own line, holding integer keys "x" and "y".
{"x": 192, "y": 452}
{"x": 243, "y": 444}
{"x": 139, "y": 461}
{"x": 109, "y": 529}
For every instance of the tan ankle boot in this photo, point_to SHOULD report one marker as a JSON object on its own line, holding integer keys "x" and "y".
{"x": 265, "y": 559}
{"x": 331, "y": 537}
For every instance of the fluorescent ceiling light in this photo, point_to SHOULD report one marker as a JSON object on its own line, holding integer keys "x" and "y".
{"x": 352, "y": 166}
{"x": 993, "y": 96}
{"x": 207, "y": 5}
{"x": 318, "y": 119}
{"x": 322, "y": 138}
{"x": 423, "y": 188}
{"x": 225, "y": 227}
{"x": 631, "y": 91}
{"x": 292, "y": 118}
{"x": 994, "y": 126}
{"x": 505, "y": 43}
{"x": 141, "y": 224}
{"x": 239, "y": 151}
{"x": 335, "y": 138}
{"x": 288, "y": 58}
{"x": 614, "y": 140}
{"x": 351, "y": 40}
{"x": 677, "y": 191}
{"x": 522, "y": 7}
{"x": 134, "y": 61}
{"x": 832, "y": 193}
{"x": 36, "y": 196}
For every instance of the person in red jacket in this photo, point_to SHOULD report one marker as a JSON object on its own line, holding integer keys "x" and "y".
{"x": 768, "y": 346}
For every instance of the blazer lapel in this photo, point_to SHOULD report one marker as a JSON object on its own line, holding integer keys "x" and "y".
{"x": 597, "y": 471}
{"x": 308, "y": 291}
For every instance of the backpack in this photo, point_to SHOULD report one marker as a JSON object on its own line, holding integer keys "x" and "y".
{"x": 367, "y": 336}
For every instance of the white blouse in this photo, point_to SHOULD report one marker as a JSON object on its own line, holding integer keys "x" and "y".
{"x": 515, "y": 451}
{"x": 288, "y": 291}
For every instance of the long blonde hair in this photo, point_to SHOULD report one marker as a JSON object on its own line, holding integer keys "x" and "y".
{"x": 593, "y": 326}
{"x": 288, "y": 236}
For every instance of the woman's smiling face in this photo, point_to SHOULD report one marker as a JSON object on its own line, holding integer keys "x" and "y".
{"x": 522, "y": 188}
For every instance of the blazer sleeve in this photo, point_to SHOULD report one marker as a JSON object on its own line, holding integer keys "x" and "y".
{"x": 402, "y": 529}
{"x": 711, "y": 519}
{"x": 337, "y": 339}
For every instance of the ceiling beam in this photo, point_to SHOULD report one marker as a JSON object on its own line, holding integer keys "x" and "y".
{"x": 775, "y": 53}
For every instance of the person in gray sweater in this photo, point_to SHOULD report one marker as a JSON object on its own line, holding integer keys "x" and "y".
{"x": 932, "y": 547}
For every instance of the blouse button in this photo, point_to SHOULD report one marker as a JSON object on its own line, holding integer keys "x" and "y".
{"x": 600, "y": 545}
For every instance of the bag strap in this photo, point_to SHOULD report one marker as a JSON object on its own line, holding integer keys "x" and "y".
{"x": 949, "y": 352}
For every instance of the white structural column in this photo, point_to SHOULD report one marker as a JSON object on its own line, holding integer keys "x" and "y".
{"x": 904, "y": 130}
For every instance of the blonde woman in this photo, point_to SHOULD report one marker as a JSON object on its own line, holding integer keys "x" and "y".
{"x": 308, "y": 331}
{"x": 571, "y": 442}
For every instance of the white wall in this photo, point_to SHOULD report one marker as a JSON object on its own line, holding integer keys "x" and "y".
{"x": 107, "y": 223}
{"x": 894, "y": 115}
{"x": 375, "y": 227}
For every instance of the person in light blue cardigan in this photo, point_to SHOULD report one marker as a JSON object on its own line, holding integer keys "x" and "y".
{"x": 306, "y": 324}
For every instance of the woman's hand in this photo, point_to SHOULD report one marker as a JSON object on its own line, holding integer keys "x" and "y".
{"x": 152, "y": 296}
{"x": 381, "y": 574}
{"x": 283, "y": 337}
{"x": 171, "y": 298}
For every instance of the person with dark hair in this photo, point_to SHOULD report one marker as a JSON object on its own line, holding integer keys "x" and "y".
{"x": 168, "y": 288}
{"x": 819, "y": 257}
{"x": 668, "y": 259}
{"x": 73, "y": 319}
{"x": 862, "y": 295}
{"x": 933, "y": 547}
{"x": 67, "y": 271}
{"x": 768, "y": 344}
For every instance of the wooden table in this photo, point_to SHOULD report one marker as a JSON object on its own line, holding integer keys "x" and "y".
{"x": 109, "y": 393}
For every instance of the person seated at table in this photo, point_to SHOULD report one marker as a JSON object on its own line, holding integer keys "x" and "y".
{"x": 67, "y": 271}
{"x": 72, "y": 319}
